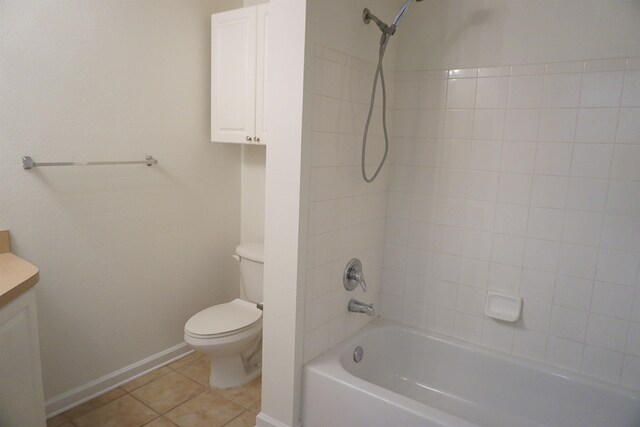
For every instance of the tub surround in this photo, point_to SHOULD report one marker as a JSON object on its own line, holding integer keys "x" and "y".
{"x": 17, "y": 276}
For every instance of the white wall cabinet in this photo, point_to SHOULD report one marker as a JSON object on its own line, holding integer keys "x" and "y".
{"x": 21, "y": 396}
{"x": 238, "y": 70}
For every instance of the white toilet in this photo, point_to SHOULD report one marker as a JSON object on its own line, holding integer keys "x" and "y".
{"x": 231, "y": 333}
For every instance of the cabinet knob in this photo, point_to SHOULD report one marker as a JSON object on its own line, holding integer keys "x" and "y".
{"x": 256, "y": 139}
{"x": 248, "y": 139}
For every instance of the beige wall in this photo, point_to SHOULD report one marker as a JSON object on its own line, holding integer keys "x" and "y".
{"x": 468, "y": 33}
{"x": 127, "y": 254}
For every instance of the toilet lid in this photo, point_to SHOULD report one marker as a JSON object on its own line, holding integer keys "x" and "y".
{"x": 223, "y": 318}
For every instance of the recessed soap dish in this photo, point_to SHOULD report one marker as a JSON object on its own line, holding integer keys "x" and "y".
{"x": 503, "y": 307}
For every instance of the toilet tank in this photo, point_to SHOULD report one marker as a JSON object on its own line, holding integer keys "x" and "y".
{"x": 251, "y": 269}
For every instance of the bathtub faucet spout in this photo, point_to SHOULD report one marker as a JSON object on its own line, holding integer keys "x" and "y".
{"x": 356, "y": 306}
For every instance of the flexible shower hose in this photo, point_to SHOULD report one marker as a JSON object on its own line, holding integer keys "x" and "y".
{"x": 379, "y": 74}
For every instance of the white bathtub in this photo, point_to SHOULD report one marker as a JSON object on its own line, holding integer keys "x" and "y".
{"x": 411, "y": 378}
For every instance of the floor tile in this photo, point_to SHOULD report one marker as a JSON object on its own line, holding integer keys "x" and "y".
{"x": 186, "y": 360}
{"x": 167, "y": 392}
{"x": 125, "y": 411}
{"x": 92, "y": 404}
{"x": 207, "y": 409}
{"x": 246, "y": 419}
{"x": 161, "y": 422}
{"x": 245, "y": 395}
{"x": 57, "y": 421}
{"x": 256, "y": 407}
{"x": 198, "y": 371}
{"x": 147, "y": 378}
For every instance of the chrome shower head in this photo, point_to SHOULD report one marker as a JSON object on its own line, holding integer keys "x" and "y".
{"x": 367, "y": 17}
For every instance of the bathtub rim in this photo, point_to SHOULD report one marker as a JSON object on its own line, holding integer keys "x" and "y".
{"x": 332, "y": 360}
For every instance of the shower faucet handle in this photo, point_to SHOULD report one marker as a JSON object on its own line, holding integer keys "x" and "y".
{"x": 353, "y": 276}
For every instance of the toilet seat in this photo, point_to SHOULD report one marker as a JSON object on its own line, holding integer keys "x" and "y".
{"x": 223, "y": 319}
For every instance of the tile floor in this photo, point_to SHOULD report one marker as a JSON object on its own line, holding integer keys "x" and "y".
{"x": 174, "y": 395}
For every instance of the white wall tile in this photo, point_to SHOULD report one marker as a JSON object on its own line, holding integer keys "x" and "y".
{"x": 597, "y": 125}
{"x": 530, "y": 344}
{"x": 461, "y": 93}
{"x": 515, "y": 188}
{"x": 458, "y": 124}
{"x": 631, "y": 372}
{"x": 483, "y": 185}
{"x": 471, "y": 300}
{"x": 518, "y": 157}
{"x": 488, "y": 124}
{"x": 511, "y": 219}
{"x": 480, "y": 215}
{"x": 504, "y": 278}
{"x": 573, "y": 292}
{"x": 440, "y": 320}
{"x": 629, "y": 126}
{"x": 536, "y": 315}
{"x": 553, "y": 158}
{"x": 525, "y": 91}
{"x": 568, "y": 323}
{"x": 468, "y": 328}
{"x": 621, "y": 232}
{"x": 624, "y": 198}
{"x": 607, "y": 332}
{"x": 485, "y": 155}
{"x": 582, "y": 227}
{"x": 475, "y": 273}
{"x": 591, "y": 160}
{"x": 625, "y": 162}
{"x": 537, "y": 285}
{"x": 586, "y": 194}
{"x": 558, "y": 125}
{"x": 562, "y": 90}
{"x": 545, "y": 223}
{"x": 492, "y": 92}
{"x": 633, "y": 339}
{"x": 507, "y": 249}
{"x": 522, "y": 125}
{"x": 534, "y": 192}
{"x": 549, "y": 191}
{"x": 612, "y": 300}
{"x": 497, "y": 335}
{"x": 602, "y": 89}
{"x": 541, "y": 254}
{"x": 603, "y": 364}
{"x": 617, "y": 267}
{"x": 578, "y": 260}
{"x": 564, "y": 353}
{"x": 631, "y": 89}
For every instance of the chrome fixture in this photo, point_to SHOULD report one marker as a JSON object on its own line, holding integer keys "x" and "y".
{"x": 28, "y": 163}
{"x": 353, "y": 276}
{"x": 356, "y": 306}
{"x": 387, "y": 32}
{"x": 358, "y": 354}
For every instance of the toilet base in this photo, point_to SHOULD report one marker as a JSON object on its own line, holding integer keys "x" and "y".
{"x": 229, "y": 371}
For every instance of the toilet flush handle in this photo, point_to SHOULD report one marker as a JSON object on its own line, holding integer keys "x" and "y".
{"x": 236, "y": 257}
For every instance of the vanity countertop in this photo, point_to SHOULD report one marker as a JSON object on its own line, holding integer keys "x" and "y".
{"x": 17, "y": 276}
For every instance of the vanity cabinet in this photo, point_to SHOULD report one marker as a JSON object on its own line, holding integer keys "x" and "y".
{"x": 21, "y": 396}
{"x": 238, "y": 71}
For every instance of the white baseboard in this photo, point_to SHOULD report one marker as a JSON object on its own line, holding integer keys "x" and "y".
{"x": 64, "y": 401}
{"x": 264, "y": 420}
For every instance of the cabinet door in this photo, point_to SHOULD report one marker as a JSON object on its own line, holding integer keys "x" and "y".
{"x": 233, "y": 75}
{"x": 21, "y": 397}
{"x": 262, "y": 69}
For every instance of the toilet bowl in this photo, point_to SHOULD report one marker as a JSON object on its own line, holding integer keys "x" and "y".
{"x": 231, "y": 333}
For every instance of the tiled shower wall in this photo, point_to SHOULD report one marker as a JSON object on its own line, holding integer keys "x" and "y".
{"x": 346, "y": 215}
{"x": 523, "y": 180}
